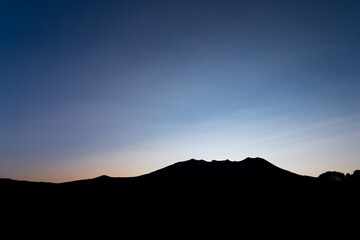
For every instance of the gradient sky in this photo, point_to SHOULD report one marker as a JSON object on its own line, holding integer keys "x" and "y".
{"x": 123, "y": 88}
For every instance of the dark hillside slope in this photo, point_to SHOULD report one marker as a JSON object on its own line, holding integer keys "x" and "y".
{"x": 251, "y": 171}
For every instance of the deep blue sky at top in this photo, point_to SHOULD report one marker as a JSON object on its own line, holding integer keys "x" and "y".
{"x": 86, "y": 78}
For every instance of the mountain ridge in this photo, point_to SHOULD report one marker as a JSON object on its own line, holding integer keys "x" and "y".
{"x": 247, "y": 181}
{"x": 248, "y": 171}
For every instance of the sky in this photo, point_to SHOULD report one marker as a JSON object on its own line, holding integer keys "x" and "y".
{"x": 122, "y": 88}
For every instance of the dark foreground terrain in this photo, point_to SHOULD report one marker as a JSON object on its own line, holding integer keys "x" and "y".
{"x": 196, "y": 177}
{"x": 250, "y": 193}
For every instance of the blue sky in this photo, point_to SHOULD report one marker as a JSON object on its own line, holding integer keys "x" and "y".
{"x": 126, "y": 87}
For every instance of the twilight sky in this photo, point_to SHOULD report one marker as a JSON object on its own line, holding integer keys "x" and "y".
{"x": 123, "y": 88}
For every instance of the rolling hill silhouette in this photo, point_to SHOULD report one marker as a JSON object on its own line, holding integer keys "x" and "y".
{"x": 191, "y": 173}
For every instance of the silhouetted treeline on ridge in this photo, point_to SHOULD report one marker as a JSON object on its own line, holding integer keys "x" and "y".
{"x": 334, "y": 177}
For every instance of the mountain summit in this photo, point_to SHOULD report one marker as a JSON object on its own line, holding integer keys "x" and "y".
{"x": 250, "y": 171}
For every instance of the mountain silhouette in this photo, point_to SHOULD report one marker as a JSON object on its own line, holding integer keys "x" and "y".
{"x": 187, "y": 174}
{"x": 251, "y": 171}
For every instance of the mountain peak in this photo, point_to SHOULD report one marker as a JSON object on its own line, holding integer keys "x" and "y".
{"x": 249, "y": 171}
{"x": 103, "y": 177}
{"x": 257, "y": 160}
